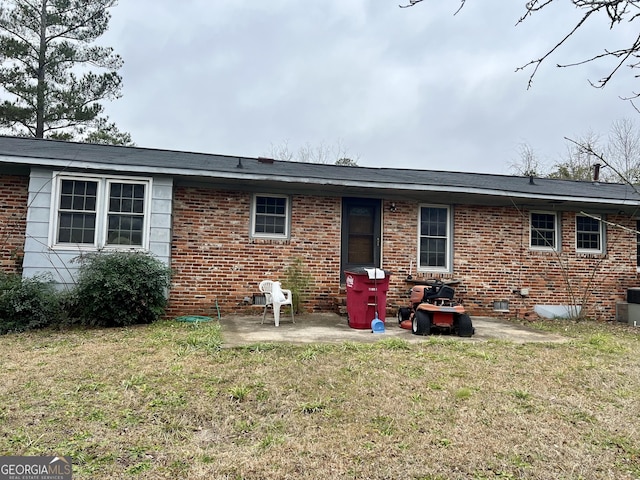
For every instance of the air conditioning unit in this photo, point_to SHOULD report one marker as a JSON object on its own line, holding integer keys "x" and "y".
{"x": 633, "y": 295}
{"x": 622, "y": 312}
{"x": 628, "y": 313}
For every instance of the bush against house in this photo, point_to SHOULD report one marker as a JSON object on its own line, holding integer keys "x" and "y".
{"x": 299, "y": 281}
{"x": 27, "y": 303}
{"x": 120, "y": 289}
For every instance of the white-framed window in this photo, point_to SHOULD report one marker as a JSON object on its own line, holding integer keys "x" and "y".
{"x": 76, "y": 211}
{"x": 544, "y": 231}
{"x": 97, "y": 212}
{"x": 589, "y": 234}
{"x": 435, "y": 238}
{"x": 271, "y": 216}
{"x": 638, "y": 245}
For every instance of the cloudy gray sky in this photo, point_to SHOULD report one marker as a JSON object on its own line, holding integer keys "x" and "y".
{"x": 407, "y": 88}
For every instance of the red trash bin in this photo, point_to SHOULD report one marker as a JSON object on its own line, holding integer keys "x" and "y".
{"x": 366, "y": 294}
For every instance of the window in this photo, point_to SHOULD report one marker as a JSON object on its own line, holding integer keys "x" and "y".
{"x": 435, "y": 238}
{"x": 126, "y": 214}
{"x": 98, "y": 212}
{"x": 271, "y": 216}
{"x": 77, "y": 211}
{"x": 544, "y": 231}
{"x": 638, "y": 244}
{"x": 588, "y": 234}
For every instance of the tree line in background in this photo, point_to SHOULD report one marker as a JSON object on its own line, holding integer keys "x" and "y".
{"x": 336, "y": 154}
{"x": 53, "y": 74}
{"x": 611, "y": 158}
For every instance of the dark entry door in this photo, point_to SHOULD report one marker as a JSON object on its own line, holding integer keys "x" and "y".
{"x": 360, "y": 234}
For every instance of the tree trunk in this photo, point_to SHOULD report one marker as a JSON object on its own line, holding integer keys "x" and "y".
{"x": 40, "y": 100}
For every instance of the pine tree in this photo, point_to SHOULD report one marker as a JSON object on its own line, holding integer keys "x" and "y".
{"x": 47, "y": 60}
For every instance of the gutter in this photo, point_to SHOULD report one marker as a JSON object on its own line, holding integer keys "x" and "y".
{"x": 244, "y": 176}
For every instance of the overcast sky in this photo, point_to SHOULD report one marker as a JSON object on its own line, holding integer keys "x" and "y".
{"x": 406, "y": 88}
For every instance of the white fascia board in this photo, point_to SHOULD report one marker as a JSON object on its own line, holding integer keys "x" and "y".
{"x": 188, "y": 172}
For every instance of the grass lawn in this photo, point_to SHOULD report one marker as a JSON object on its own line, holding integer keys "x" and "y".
{"x": 165, "y": 401}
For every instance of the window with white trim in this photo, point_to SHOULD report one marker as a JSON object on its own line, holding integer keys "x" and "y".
{"x": 544, "y": 231}
{"x": 125, "y": 216}
{"x": 100, "y": 211}
{"x": 435, "y": 242}
{"x": 638, "y": 245}
{"x": 271, "y": 216}
{"x": 77, "y": 211}
{"x": 589, "y": 234}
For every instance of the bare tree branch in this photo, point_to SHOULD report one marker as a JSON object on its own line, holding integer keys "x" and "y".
{"x": 588, "y": 149}
{"x": 616, "y": 11}
{"x": 539, "y": 61}
{"x": 410, "y": 4}
{"x": 413, "y": 3}
{"x": 624, "y": 54}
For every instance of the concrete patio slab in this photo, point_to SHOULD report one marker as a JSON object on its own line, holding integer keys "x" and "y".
{"x": 332, "y": 328}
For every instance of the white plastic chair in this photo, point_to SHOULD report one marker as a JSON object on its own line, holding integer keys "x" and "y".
{"x": 275, "y": 297}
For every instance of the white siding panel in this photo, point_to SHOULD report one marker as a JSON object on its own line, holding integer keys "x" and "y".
{"x": 32, "y": 244}
{"x": 160, "y": 235}
{"x": 40, "y": 180}
{"x": 161, "y": 209}
{"x": 160, "y": 220}
{"x": 161, "y": 206}
{"x": 40, "y": 259}
{"x": 36, "y": 252}
{"x": 40, "y": 199}
{"x": 163, "y": 188}
{"x": 38, "y": 214}
{"x": 59, "y": 265}
{"x": 37, "y": 229}
{"x": 161, "y": 250}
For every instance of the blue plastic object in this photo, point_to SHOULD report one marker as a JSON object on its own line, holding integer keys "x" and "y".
{"x": 377, "y": 325}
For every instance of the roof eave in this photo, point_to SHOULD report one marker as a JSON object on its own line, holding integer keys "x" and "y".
{"x": 320, "y": 182}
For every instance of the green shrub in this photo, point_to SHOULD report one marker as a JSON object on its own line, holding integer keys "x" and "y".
{"x": 120, "y": 289}
{"x": 27, "y": 303}
{"x": 299, "y": 281}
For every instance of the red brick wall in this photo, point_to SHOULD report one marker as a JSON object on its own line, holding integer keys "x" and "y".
{"x": 214, "y": 258}
{"x": 492, "y": 259}
{"x": 14, "y": 192}
{"x": 399, "y": 240}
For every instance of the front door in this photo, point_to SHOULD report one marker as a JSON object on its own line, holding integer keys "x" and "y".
{"x": 360, "y": 234}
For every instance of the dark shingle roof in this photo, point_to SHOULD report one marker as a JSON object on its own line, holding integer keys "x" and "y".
{"x": 422, "y": 184}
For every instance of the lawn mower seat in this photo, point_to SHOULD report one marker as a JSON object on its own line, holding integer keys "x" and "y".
{"x": 438, "y": 291}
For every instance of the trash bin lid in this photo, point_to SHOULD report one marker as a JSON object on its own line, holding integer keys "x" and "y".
{"x": 373, "y": 273}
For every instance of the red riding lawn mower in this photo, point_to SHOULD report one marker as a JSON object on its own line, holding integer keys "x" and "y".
{"x": 434, "y": 309}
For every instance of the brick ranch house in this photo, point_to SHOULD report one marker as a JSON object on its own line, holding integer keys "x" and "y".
{"x": 225, "y": 223}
